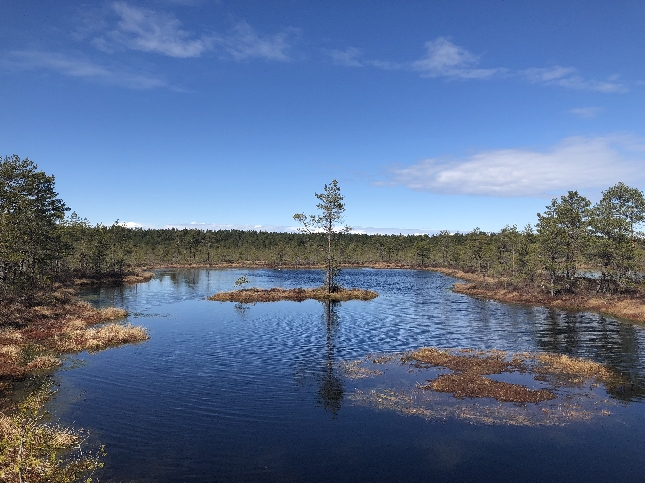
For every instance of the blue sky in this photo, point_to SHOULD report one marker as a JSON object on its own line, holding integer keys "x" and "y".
{"x": 431, "y": 115}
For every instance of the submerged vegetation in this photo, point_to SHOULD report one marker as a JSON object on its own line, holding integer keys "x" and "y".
{"x": 250, "y": 295}
{"x": 556, "y": 388}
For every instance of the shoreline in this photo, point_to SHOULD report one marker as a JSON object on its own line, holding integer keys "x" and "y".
{"x": 627, "y": 307}
{"x": 34, "y": 340}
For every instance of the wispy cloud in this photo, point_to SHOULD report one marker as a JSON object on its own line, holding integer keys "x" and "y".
{"x": 445, "y": 59}
{"x": 569, "y": 77}
{"x": 348, "y": 57}
{"x": 151, "y": 31}
{"x": 81, "y": 68}
{"x": 586, "y": 112}
{"x": 352, "y": 57}
{"x": 442, "y": 59}
{"x": 243, "y": 42}
{"x": 574, "y": 163}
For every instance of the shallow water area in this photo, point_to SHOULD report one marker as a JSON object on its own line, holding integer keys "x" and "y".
{"x": 230, "y": 392}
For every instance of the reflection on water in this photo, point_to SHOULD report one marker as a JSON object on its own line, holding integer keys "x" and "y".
{"x": 243, "y": 392}
{"x": 331, "y": 385}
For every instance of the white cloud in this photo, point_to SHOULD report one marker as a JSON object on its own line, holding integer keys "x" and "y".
{"x": 573, "y": 164}
{"x": 568, "y": 77}
{"x": 243, "y": 42}
{"x": 445, "y": 59}
{"x": 132, "y": 224}
{"x": 75, "y": 67}
{"x": 586, "y": 112}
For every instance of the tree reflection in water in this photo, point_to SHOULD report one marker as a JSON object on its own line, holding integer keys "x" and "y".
{"x": 330, "y": 390}
{"x": 608, "y": 341}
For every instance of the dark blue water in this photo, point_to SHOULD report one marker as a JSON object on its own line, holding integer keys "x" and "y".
{"x": 223, "y": 392}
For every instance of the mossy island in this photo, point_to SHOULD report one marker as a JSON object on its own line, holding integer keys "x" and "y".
{"x": 251, "y": 295}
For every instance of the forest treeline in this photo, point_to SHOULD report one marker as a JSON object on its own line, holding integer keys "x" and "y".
{"x": 573, "y": 246}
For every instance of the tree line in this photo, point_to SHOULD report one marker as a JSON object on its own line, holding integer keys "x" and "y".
{"x": 573, "y": 246}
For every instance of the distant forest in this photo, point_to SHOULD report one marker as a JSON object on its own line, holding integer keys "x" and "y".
{"x": 573, "y": 246}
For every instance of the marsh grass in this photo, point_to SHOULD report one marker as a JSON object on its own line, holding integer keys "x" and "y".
{"x": 138, "y": 277}
{"x": 36, "y": 451}
{"x": 251, "y": 295}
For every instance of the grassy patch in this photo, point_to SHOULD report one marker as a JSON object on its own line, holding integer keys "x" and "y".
{"x": 250, "y": 295}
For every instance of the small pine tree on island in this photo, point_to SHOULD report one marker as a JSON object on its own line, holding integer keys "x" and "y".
{"x": 328, "y": 223}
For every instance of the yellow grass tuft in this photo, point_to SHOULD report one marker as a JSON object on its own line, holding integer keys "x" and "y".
{"x": 42, "y": 363}
{"x": 112, "y": 313}
{"x": 113, "y": 334}
{"x": 11, "y": 351}
{"x": 562, "y": 364}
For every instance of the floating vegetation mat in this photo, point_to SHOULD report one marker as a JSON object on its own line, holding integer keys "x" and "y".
{"x": 484, "y": 387}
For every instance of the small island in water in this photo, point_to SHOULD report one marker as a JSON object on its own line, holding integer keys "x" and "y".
{"x": 249, "y": 295}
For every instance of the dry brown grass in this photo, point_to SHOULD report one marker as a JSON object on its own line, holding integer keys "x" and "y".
{"x": 491, "y": 362}
{"x": 474, "y": 385}
{"x": 468, "y": 369}
{"x": 251, "y": 295}
{"x": 139, "y": 277}
{"x": 555, "y": 364}
{"x": 99, "y": 338}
